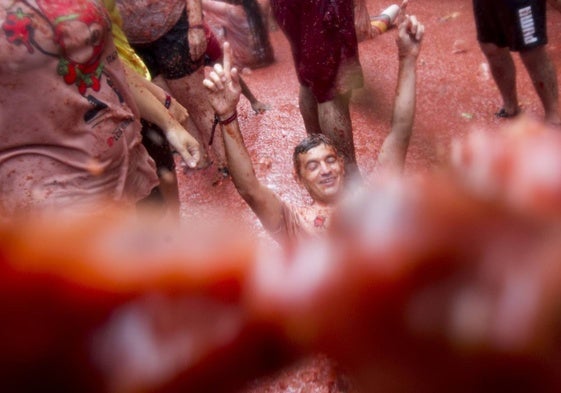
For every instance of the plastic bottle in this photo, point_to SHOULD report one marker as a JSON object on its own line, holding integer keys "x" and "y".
{"x": 484, "y": 73}
{"x": 383, "y": 21}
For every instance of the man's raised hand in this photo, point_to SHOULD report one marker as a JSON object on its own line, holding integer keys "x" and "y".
{"x": 223, "y": 85}
{"x": 409, "y": 37}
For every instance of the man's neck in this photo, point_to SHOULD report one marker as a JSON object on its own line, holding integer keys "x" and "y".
{"x": 328, "y": 205}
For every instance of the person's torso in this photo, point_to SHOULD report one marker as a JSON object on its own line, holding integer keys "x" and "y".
{"x": 68, "y": 124}
{"x": 305, "y": 221}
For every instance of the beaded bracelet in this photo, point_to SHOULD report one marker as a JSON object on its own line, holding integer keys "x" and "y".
{"x": 217, "y": 121}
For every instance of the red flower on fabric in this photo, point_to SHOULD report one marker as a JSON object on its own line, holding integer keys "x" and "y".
{"x": 319, "y": 221}
{"x": 83, "y": 72}
{"x": 17, "y": 27}
{"x": 83, "y": 67}
{"x": 82, "y": 75}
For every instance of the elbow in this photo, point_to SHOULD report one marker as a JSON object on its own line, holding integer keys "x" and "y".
{"x": 248, "y": 190}
{"x": 246, "y": 194}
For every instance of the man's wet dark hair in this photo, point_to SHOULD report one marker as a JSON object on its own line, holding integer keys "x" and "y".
{"x": 309, "y": 143}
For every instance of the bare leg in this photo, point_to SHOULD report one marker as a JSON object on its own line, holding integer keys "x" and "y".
{"x": 335, "y": 121}
{"x": 544, "y": 77}
{"x": 556, "y": 4}
{"x": 309, "y": 110}
{"x": 190, "y": 93}
{"x": 504, "y": 73}
{"x": 170, "y": 191}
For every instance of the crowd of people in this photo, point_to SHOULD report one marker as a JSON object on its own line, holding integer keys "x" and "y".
{"x": 127, "y": 66}
{"x": 98, "y": 97}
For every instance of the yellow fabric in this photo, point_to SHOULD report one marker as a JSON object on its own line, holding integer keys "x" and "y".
{"x": 125, "y": 51}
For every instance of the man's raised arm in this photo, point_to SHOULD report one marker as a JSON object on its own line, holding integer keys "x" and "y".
{"x": 394, "y": 149}
{"x": 223, "y": 85}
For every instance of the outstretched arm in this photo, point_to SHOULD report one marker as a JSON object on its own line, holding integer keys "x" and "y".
{"x": 150, "y": 100}
{"x": 394, "y": 149}
{"x": 224, "y": 90}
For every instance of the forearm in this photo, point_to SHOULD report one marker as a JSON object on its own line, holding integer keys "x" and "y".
{"x": 151, "y": 107}
{"x": 405, "y": 99}
{"x": 394, "y": 149}
{"x": 262, "y": 200}
{"x": 239, "y": 161}
{"x": 161, "y": 95}
{"x": 194, "y": 12}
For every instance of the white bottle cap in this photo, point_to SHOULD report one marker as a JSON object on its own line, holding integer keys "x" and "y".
{"x": 392, "y": 11}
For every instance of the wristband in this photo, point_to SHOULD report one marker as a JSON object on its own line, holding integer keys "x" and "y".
{"x": 197, "y": 26}
{"x": 224, "y": 122}
{"x": 167, "y": 103}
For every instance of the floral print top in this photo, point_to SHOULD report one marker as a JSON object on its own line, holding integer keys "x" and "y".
{"x": 70, "y": 129}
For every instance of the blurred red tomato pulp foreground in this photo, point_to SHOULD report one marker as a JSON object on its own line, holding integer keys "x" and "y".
{"x": 429, "y": 282}
{"x": 446, "y": 279}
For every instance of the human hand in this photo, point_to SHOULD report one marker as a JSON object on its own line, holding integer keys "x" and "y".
{"x": 409, "y": 37}
{"x": 223, "y": 85}
{"x": 184, "y": 144}
{"x": 432, "y": 304}
{"x": 197, "y": 43}
{"x": 401, "y": 16}
{"x": 259, "y": 107}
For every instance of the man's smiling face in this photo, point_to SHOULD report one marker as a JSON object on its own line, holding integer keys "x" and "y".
{"x": 321, "y": 172}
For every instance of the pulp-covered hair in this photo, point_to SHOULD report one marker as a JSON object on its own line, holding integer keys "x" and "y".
{"x": 311, "y": 141}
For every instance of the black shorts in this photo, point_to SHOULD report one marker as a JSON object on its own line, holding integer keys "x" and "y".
{"x": 169, "y": 55}
{"x": 516, "y": 24}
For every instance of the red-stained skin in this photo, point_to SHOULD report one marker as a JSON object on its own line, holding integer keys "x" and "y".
{"x": 453, "y": 98}
{"x": 455, "y": 94}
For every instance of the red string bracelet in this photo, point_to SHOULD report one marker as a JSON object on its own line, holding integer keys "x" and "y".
{"x": 217, "y": 121}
